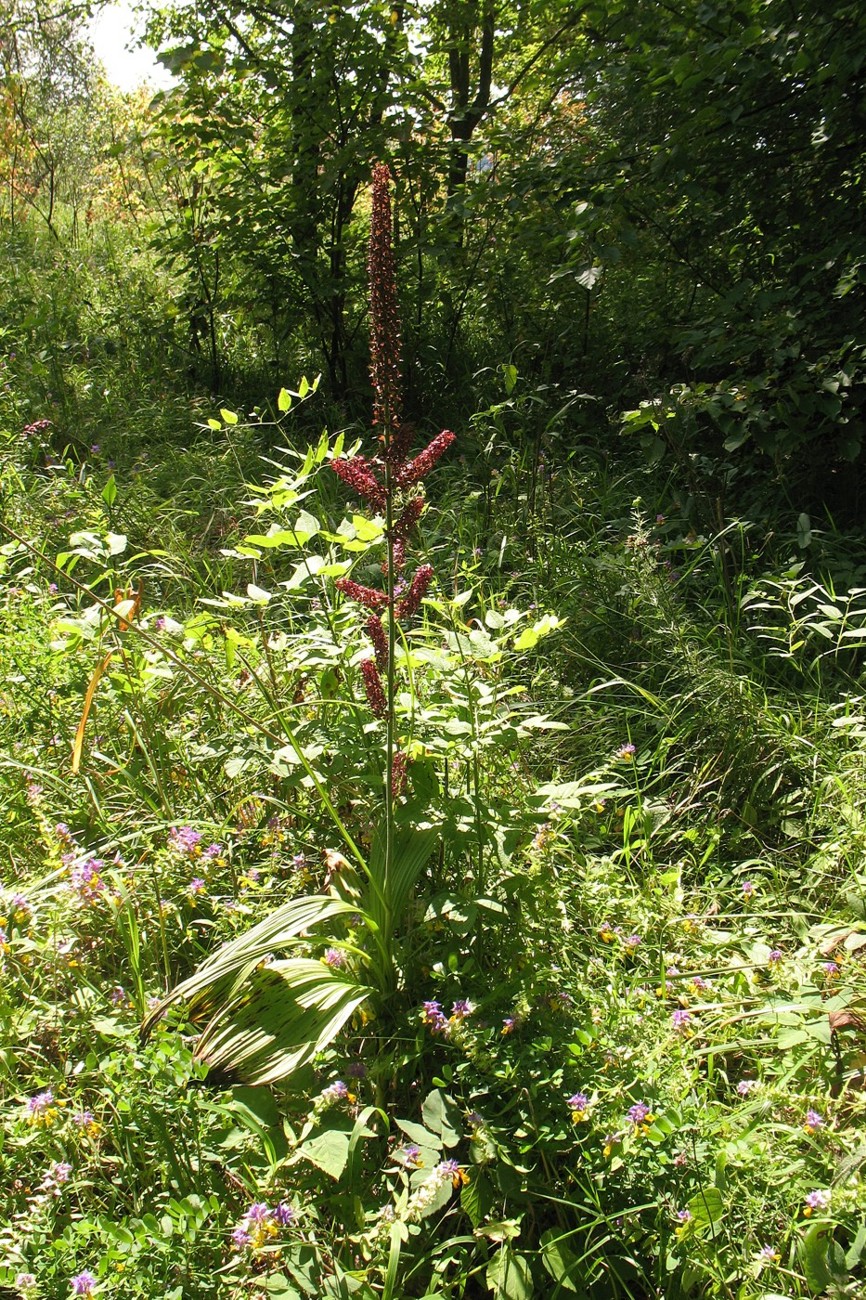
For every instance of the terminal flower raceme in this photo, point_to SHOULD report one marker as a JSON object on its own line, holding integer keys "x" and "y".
{"x": 390, "y": 482}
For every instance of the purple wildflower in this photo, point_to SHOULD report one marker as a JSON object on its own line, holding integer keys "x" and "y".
{"x": 639, "y": 1113}
{"x": 42, "y": 1102}
{"x": 433, "y": 1017}
{"x": 184, "y": 840}
{"x": 336, "y": 1091}
{"x": 83, "y": 1283}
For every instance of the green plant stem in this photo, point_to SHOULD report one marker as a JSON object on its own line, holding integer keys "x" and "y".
{"x": 390, "y": 686}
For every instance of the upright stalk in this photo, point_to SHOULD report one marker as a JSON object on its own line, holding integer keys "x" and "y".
{"x": 391, "y": 483}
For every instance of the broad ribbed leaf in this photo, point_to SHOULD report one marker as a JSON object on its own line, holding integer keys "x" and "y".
{"x": 219, "y": 979}
{"x": 413, "y": 846}
{"x": 288, "y": 1011}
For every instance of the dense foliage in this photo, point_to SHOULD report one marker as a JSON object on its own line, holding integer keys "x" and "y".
{"x": 434, "y": 862}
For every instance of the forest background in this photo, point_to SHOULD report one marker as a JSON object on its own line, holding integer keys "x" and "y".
{"x": 497, "y": 922}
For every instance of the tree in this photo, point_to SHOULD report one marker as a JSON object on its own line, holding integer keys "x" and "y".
{"x": 722, "y": 210}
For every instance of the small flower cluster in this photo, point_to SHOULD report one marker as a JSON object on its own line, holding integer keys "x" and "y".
{"x": 334, "y": 958}
{"x": 187, "y": 843}
{"x": 85, "y": 879}
{"x": 579, "y": 1107}
{"x": 83, "y": 1283}
{"x": 33, "y": 430}
{"x": 612, "y": 933}
{"x": 434, "y": 1018}
{"x": 18, "y": 911}
{"x": 424, "y": 1196}
{"x": 55, "y": 1176}
{"x": 641, "y": 1118}
{"x": 86, "y": 1124}
{"x": 817, "y": 1200}
{"x": 261, "y": 1225}
{"x": 409, "y": 1156}
{"x": 335, "y": 1092}
{"x": 42, "y": 1109}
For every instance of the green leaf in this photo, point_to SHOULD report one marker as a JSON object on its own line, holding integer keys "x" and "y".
{"x": 559, "y": 1260}
{"x": 230, "y": 417}
{"x": 221, "y": 975}
{"x": 367, "y": 530}
{"x": 476, "y": 1198}
{"x": 413, "y": 846}
{"x": 530, "y": 636}
{"x": 279, "y": 1287}
{"x": 706, "y": 1208}
{"x": 284, "y": 400}
{"x": 441, "y": 1114}
{"x": 509, "y": 1276}
{"x": 328, "y": 1151}
{"x": 109, "y": 492}
{"x": 416, "y": 1133}
{"x": 804, "y": 532}
{"x": 275, "y": 537}
{"x": 285, "y": 1014}
{"x": 857, "y": 1247}
{"x": 812, "y": 1249}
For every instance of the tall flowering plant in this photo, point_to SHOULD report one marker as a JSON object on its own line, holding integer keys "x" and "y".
{"x": 268, "y": 1017}
{"x": 392, "y": 483}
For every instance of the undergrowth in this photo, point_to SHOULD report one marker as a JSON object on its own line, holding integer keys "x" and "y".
{"x": 617, "y": 1046}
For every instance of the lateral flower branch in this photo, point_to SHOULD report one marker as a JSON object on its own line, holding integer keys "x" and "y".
{"x": 391, "y": 482}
